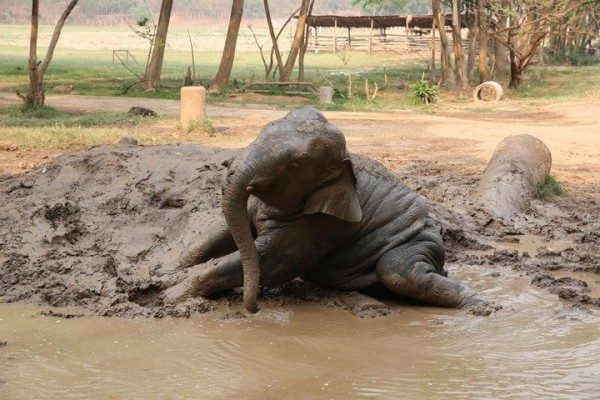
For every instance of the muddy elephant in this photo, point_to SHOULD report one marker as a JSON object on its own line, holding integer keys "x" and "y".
{"x": 297, "y": 204}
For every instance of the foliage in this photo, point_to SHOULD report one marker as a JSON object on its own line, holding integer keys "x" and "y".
{"x": 394, "y": 7}
{"x": 549, "y": 187}
{"x": 426, "y": 91}
{"x": 529, "y": 22}
{"x": 213, "y": 9}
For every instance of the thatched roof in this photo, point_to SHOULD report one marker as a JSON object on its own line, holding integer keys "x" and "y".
{"x": 379, "y": 21}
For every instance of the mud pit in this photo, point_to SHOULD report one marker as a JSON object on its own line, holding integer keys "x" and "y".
{"x": 100, "y": 229}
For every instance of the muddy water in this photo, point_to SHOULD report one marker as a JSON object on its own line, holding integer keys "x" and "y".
{"x": 307, "y": 351}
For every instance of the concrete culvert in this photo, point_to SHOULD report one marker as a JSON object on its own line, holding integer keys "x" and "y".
{"x": 488, "y": 91}
{"x": 519, "y": 164}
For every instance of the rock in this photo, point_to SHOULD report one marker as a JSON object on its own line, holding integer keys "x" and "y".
{"x": 144, "y": 112}
{"x": 128, "y": 141}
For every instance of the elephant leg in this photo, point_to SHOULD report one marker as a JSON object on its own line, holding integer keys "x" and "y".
{"x": 216, "y": 241}
{"x": 410, "y": 270}
{"x": 278, "y": 264}
{"x": 214, "y": 276}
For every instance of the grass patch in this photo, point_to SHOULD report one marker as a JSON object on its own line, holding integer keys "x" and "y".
{"x": 206, "y": 126}
{"x": 549, "y": 187}
{"x": 57, "y": 138}
{"x": 35, "y": 116}
{"x": 559, "y": 83}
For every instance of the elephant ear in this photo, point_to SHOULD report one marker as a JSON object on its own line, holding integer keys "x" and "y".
{"x": 337, "y": 197}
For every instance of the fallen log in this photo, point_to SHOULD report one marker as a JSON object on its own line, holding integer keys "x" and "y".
{"x": 518, "y": 165}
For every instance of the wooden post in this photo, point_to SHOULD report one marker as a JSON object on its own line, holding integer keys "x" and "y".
{"x": 335, "y": 36}
{"x": 349, "y": 40}
{"x": 371, "y": 37}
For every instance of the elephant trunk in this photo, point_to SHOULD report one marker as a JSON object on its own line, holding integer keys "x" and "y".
{"x": 235, "y": 209}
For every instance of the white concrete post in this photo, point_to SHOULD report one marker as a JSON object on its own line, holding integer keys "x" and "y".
{"x": 192, "y": 105}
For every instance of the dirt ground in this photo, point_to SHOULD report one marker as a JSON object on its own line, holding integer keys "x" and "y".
{"x": 440, "y": 155}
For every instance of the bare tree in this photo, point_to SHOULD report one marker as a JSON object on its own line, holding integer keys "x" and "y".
{"x": 500, "y": 53}
{"x": 297, "y": 40}
{"x": 274, "y": 38}
{"x": 471, "y": 18}
{"x": 459, "y": 57}
{"x": 154, "y": 68}
{"x": 528, "y": 23}
{"x": 440, "y": 23}
{"x": 304, "y": 44}
{"x": 37, "y": 69}
{"x": 226, "y": 65}
{"x": 482, "y": 40}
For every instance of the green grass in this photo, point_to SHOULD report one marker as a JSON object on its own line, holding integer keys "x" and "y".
{"x": 46, "y": 128}
{"x": 22, "y": 116}
{"x": 549, "y": 187}
{"x": 57, "y": 138}
{"x": 83, "y": 60}
{"x": 559, "y": 83}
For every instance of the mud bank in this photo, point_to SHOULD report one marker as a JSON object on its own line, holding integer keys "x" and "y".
{"x": 102, "y": 229}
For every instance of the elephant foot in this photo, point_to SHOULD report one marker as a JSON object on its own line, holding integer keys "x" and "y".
{"x": 362, "y": 305}
{"x": 480, "y": 307}
{"x": 192, "y": 285}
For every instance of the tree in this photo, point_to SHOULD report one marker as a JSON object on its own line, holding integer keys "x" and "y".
{"x": 482, "y": 42}
{"x": 37, "y": 69}
{"x": 528, "y": 24}
{"x": 297, "y": 40}
{"x": 570, "y": 36}
{"x": 459, "y": 57}
{"x": 446, "y": 68}
{"x": 304, "y": 44}
{"x": 154, "y": 68}
{"x": 226, "y": 65}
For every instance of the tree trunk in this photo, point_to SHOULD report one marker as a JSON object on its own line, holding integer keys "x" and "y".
{"x": 154, "y": 68}
{"x": 224, "y": 71}
{"x": 36, "y": 90}
{"x": 517, "y": 166}
{"x": 482, "y": 41}
{"x": 275, "y": 48}
{"x": 515, "y": 71}
{"x": 296, "y": 42}
{"x": 459, "y": 56}
{"x": 471, "y": 53}
{"x": 446, "y": 68}
{"x": 37, "y": 70}
{"x": 304, "y": 45}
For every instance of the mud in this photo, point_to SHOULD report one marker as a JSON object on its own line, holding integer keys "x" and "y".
{"x": 102, "y": 229}
{"x": 534, "y": 348}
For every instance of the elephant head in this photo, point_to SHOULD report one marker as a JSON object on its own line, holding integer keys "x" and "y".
{"x": 298, "y": 164}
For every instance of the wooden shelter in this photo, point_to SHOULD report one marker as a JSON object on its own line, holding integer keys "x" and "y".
{"x": 370, "y": 32}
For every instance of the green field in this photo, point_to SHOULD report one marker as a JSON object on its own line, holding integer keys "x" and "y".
{"x": 83, "y": 64}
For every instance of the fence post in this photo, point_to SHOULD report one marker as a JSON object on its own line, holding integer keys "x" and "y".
{"x": 335, "y": 35}
{"x": 371, "y": 37}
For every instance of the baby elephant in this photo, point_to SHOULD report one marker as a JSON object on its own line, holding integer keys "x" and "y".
{"x": 297, "y": 204}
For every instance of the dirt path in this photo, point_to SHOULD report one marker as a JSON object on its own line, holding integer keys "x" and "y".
{"x": 454, "y": 134}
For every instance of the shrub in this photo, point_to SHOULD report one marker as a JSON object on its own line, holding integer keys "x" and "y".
{"x": 549, "y": 187}
{"x": 425, "y": 91}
